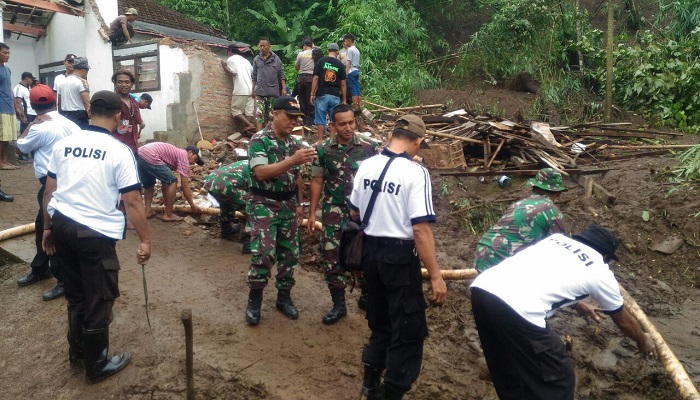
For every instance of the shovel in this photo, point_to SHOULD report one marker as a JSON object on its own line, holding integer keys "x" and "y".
{"x": 202, "y": 144}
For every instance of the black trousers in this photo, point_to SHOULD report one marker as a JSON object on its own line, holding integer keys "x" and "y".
{"x": 395, "y": 310}
{"x": 526, "y": 362}
{"x": 303, "y": 87}
{"x": 91, "y": 270}
{"x": 79, "y": 117}
{"x": 41, "y": 263}
{"x": 23, "y": 126}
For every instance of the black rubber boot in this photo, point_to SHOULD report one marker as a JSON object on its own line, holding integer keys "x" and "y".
{"x": 338, "y": 311}
{"x": 392, "y": 393}
{"x": 75, "y": 339}
{"x": 252, "y": 312}
{"x": 246, "y": 244}
{"x": 98, "y": 365}
{"x": 284, "y": 303}
{"x": 229, "y": 230}
{"x": 371, "y": 385}
{"x": 362, "y": 301}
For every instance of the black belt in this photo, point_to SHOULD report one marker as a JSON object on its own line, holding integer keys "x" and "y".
{"x": 81, "y": 114}
{"x": 84, "y": 231}
{"x": 305, "y": 75}
{"x": 390, "y": 241}
{"x": 278, "y": 196}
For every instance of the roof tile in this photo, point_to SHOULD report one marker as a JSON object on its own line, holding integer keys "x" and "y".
{"x": 153, "y": 12}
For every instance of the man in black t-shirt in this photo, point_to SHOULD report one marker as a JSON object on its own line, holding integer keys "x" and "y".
{"x": 328, "y": 88}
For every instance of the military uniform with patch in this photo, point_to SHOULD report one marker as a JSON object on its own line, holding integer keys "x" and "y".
{"x": 337, "y": 164}
{"x": 523, "y": 223}
{"x": 229, "y": 186}
{"x": 273, "y": 203}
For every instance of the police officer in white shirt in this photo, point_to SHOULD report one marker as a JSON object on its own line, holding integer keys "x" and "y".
{"x": 511, "y": 303}
{"x": 87, "y": 174}
{"x": 398, "y": 233}
{"x": 49, "y": 128}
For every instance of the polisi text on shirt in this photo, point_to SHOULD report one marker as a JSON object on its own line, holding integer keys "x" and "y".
{"x": 389, "y": 187}
{"x": 84, "y": 152}
{"x": 583, "y": 257}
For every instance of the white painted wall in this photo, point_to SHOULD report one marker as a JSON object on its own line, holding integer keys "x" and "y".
{"x": 172, "y": 61}
{"x": 21, "y": 57}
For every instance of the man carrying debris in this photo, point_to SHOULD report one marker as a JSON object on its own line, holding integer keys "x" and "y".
{"x": 242, "y": 97}
{"x": 327, "y": 89}
{"x": 88, "y": 173}
{"x": 524, "y": 222}
{"x": 276, "y": 194}
{"x": 332, "y": 174}
{"x": 40, "y": 139}
{"x": 397, "y": 238}
{"x": 268, "y": 81}
{"x": 159, "y": 160}
{"x": 512, "y": 301}
{"x": 229, "y": 186}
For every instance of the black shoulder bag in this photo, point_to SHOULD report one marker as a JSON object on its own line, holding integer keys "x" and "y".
{"x": 350, "y": 251}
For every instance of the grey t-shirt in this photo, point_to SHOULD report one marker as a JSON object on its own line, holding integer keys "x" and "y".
{"x": 354, "y": 59}
{"x": 116, "y": 25}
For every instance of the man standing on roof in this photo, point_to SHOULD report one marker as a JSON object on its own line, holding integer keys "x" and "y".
{"x": 25, "y": 112}
{"x": 525, "y": 222}
{"x": 268, "y": 80}
{"x": 121, "y": 29}
{"x": 242, "y": 100}
{"x": 512, "y": 302}
{"x": 159, "y": 160}
{"x": 74, "y": 94}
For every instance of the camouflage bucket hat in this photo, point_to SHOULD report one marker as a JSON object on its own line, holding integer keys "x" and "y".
{"x": 547, "y": 179}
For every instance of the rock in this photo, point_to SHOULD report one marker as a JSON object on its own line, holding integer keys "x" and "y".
{"x": 670, "y": 245}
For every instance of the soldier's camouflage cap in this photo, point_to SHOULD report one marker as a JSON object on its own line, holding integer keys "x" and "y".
{"x": 547, "y": 179}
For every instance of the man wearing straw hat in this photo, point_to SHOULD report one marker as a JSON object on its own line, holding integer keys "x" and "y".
{"x": 512, "y": 301}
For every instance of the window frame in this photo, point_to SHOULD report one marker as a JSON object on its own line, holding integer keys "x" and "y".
{"x": 135, "y": 57}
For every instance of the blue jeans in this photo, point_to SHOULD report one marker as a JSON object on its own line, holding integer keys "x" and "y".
{"x": 354, "y": 83}
{"x": 324, "y": 105}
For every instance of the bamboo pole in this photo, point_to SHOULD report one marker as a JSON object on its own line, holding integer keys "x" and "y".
{"x": 216, "y": 211}
{"x": 652, "y": 146}
{"x": 453, "y": 274}
{"x": 413, "y": 108}
{"x": 448, "y": 136}
{"x": 16, "y": 231}
{"x": 673, "y": 366}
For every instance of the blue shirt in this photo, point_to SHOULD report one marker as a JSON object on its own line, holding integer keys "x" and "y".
{"x": 7, "y": 102}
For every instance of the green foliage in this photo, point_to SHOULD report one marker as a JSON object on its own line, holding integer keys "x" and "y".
{"x": 662, "y": 78}
{"x": 684, "y": 16}
{"x": 688, "y": 165}
{"x": 209, "y": 12}
{"x": 478, "y": 218}
{"x": 393, "y": 42}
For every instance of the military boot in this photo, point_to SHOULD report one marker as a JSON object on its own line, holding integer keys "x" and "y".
{"x": 252, "y": 312}
{"x": 338, "y": 311}
{"x": 362, "y": 301}
{"x": 75, "y": 339}
{"x": 392, "y": 393}
{"x": 284, "y": 303}
{"x": 246, "y": 244}
{"x": 229, "y": 230}
{"x": 99, "y": 366}
{"x": 371, "y": 385}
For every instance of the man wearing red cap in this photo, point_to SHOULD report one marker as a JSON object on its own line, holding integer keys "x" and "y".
{"x": 43, "y": 133}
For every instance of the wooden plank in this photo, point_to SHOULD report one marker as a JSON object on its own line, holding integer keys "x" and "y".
{"x": 634, "y": 155}
{"x": 598, "y": 191}
{"x": 613, "y": 134}
{"x": 642, "y": 131}
{"x": 24, "y": 29}
{"x": 428, "y": 119}
{"x": 521, "y": 172}
{"x": 49, "y": 6}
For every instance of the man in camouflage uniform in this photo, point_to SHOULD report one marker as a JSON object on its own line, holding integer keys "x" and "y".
{"x": 525, "y": 222}
{"x": 332, "y": 173}
{"x": 276, "y": 194}
{"x": 229, "y": 186}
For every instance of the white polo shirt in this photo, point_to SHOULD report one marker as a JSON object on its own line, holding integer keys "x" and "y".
{"x": 22, "y": 92}
{"x": 41, "y": 138}
{"x": 556, "y": 272}
{"x": 92, "y": 169}
{"x": 405, "y": 199}
{"x": 70, "y": 90}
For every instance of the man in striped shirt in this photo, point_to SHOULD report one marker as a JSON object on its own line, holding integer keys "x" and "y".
{"x": 159, "y": 160}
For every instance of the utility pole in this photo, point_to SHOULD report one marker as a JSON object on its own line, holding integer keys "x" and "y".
{"x": 607, "y": 112}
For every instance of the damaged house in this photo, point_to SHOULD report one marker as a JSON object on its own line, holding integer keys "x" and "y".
{"x": 174, "y": 58}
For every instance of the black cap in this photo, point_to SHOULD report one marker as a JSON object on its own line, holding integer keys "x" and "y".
{"x": 289, "y": 105}
{"x": 81, "y": 63}
{"x": 26, "y": 75}
{"x": 107, "y": 99}
{"x": 195, "y": 150}
{"x": 600, "y": 239}
{"x": 70, "y": 57}
{"x": 148, "y": 98}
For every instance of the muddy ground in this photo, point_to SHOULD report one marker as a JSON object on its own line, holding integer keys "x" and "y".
{"x": 303, "y": 359}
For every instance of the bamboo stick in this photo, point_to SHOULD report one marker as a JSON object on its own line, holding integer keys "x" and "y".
{"x": 673, "y": 366}
{"x": 412, "y": 108}
{"x": 452, "y": 274}
{"x": 380, "y": 106}
{"x": 495, "y": 153}
{"x": 648, "y": 147}
{"x": 447, "y": 135}
{"x": 16, "y": 231}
